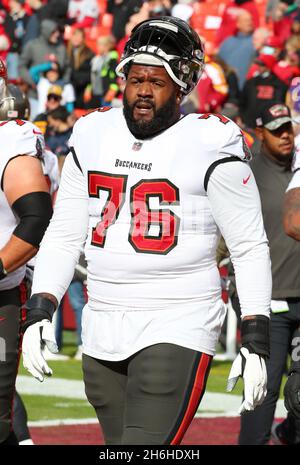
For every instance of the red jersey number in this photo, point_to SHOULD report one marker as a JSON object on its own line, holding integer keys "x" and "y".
{"x": 115, "y": 186}
{"x": 142, "y": 216}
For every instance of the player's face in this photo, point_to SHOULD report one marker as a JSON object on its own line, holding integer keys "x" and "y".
{"x": 279, "y": 143}
{"x": 151, "y": 99}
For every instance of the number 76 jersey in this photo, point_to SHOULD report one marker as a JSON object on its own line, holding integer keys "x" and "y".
{"x": 152, "y": 237}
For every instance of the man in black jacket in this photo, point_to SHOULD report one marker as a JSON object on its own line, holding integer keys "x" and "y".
{"x": 261, "y": 90}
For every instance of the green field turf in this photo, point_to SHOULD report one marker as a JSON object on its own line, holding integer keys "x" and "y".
{"x": 41, "y": 408}
{"x": 50, "y": 408}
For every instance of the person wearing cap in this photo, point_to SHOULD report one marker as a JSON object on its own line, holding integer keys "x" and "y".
{"x": 261, "y": 89}
{"x": 272, "y": 171}
{"x": 48, "y": 78}
{"x": 264, "y": 45}
{"x": 145, "y": 191}
{"x": 54, "y": 102}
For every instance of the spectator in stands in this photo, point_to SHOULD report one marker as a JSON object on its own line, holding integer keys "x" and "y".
{"x": 284, "y": 13}
{"x": 289, "y": 66}
{"x": 159, "y": 8}
{"x": 16, "y": 28}
{"x": 121, "y": 11}
{"x": 259, "y": 38}
{"x": 212, "y": 89}
{"x": 82, "y": 13}
{"x": 49, "y": 76}
{"x": 232, "y": 101}
{"x": 238, "y": 51}
{"x": 183, "y": 9}
{"x": 230, "y": 15}
{"x": 5, "y": 42}
{"x": 48, "y": 47}
{"x": 54, "y": 99}
{"x": 264, "y": 87}
{"x": 56, "y": 10}
{"x": 272, "y": 171}
{"x": 133, "y": 20}
{"x": 58, "y": 134}
{"x": 103, "y": 88}
{"x": 271, "y": 46}
{"x": 80, "y": 56}
{"x": 275, "y": 9}
{"x": 295, "y": 26}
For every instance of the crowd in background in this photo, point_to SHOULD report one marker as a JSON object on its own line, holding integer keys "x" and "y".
{"x": 63, "y": 54}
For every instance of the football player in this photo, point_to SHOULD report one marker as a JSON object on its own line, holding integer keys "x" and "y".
{"x": 25, "y": 206}
{"x": 291, "y": 221}
{"x": 145, "y": 192}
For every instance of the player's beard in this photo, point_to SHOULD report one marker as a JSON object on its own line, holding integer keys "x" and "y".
{"x": 162, "y": 118}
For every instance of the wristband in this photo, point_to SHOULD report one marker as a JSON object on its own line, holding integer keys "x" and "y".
{"x": 255, "y": 335}
{"x": 38, "y": 308}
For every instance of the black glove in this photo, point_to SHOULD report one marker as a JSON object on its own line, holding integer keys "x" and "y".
{"x": 292, "y": 394}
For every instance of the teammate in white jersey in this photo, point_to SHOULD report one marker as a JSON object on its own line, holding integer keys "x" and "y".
{"x": 291, "y": 221}
{"x": 291, "y": 211}
{"x": 25, "y": 211}
{"x": 145, "y": 192}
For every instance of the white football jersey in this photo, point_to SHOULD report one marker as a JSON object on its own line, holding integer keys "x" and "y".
{"x": 17, "y": 137}
{"x": 295, "y": 181}
{"x": 50, "y": 169}
{"x": 143, "y": 210}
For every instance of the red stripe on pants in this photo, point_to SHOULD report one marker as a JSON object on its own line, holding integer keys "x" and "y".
{"x": 23, "y": 297}
{"x": 197, "y": 392}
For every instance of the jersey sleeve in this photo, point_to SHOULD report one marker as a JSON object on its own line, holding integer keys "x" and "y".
{"x": 20, "y": 138}
{"x": 296, "y": 159}
{"x": 234, "y": 144}
{"x": 295, "y": 181}
{"x": 236, "y": 207}
{"x": 17, "y": 139}
{"x": 74, "y": 147}
{"x": 66, "y": 235}
{"x": 231, "y": 148}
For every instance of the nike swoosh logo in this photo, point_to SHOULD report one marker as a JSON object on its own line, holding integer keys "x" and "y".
{"x": 247, "y": 179}
{"x": 37, "y": 132}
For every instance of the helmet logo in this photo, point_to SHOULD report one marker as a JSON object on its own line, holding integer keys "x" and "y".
{"x": 185, "y": 69}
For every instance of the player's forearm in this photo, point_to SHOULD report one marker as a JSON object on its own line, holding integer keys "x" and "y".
{"x": 65, "y": 237}
{"x": 16, "y": 253}
{"x": 236, "y": 207}
{"x": 54, "y": 268}
{"x": 291, "y": 213}
{"x": 254, "y": 281}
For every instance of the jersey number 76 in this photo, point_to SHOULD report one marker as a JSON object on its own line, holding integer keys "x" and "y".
{"x": 142, "y": 216}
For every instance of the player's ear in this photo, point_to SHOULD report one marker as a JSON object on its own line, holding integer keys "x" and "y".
{"x": 179, "y": 96}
